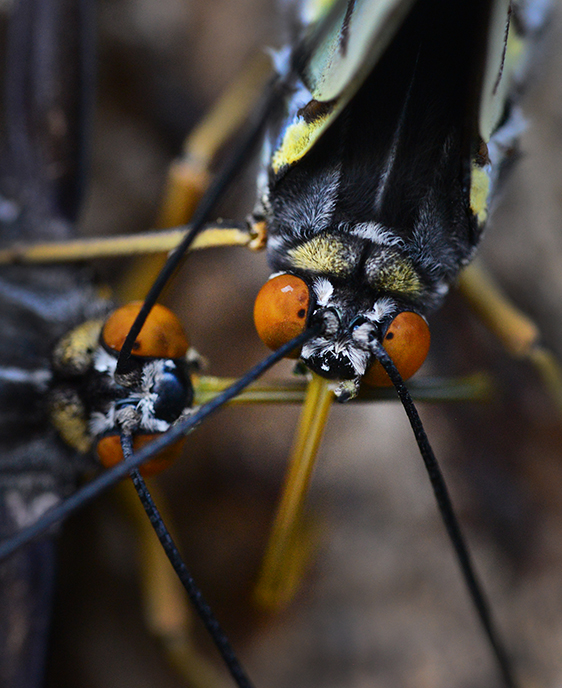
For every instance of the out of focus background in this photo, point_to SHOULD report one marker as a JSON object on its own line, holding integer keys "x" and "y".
{"x": 382, "y": 604}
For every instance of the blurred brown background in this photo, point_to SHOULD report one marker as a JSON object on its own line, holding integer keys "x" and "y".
{"x": 383, "y": 605}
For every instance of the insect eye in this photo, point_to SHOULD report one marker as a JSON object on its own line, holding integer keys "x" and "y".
{"x": 110, "y": 453}
{"x": 162, "y": 335}
{"x": 407, "y": 342}
{"x": 280, "y": 310}
{"x": 174, "y": 392}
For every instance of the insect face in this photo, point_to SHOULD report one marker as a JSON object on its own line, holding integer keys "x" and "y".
{"x": 91, "y": 405}
{"x": 341, "y": 351}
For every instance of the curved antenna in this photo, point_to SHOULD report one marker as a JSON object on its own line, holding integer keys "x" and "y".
{"x": 449, "y": 518}
{"x": 199, "y": 603}
{"x": 108, "y": 478}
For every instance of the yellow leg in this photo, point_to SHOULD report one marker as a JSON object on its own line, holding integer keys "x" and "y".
{"x": 474, "y": 387}
{"x": 516, "y": 331}
{"x": 188, "y": 179}
{"x": 122, "y": 246}
{"x": 288, "y": 548}
{"x": 167, "y": 612}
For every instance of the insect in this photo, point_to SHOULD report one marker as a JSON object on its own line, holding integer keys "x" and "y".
{"x": 326, "y": 635}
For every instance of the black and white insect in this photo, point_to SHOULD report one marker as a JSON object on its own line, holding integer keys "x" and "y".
{"x": 327, "y": 632}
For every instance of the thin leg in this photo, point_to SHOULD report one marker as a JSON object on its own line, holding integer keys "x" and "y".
{"x": 121, "y": 246}
{"x": 288, "y": 547}
{"x": 516, "y": 331}
{"x": 188, "y": 179}
{"x": 190, "y": 175}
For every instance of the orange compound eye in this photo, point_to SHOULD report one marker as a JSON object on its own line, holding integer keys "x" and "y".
{"x": 407, "y": 343}
{"x": 110, "y": 453}
{"x": 280, "y": 310}
{"x": 162, "y": 335}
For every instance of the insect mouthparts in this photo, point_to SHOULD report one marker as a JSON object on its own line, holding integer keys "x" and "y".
{"x": 364, "y": 334}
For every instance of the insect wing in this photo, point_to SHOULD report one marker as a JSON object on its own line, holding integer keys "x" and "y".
{"x": 358, "y": 35}
{"x": 48, "y": 62}
{"x": 358, "y": 38}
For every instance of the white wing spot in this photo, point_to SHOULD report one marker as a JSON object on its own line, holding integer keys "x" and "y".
{"x": 26, "y": 513}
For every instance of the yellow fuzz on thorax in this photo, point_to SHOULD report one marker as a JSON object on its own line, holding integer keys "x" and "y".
{"x": 69, "y": 418}
{"x": 398, "y": 277}
{"x": 75, "y": 349}
{"x": 323, "y": 254}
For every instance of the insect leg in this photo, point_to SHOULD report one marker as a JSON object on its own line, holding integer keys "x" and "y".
{"x": 288, "y": 548}
{"x": 519, "y": 335}
{"x": 78, "y": 250}
{"x": 188, "y": 178}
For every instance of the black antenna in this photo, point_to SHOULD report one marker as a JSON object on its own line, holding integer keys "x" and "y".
{"x": 110, "y": 477}
{"x": 199, "y": 603}
{"x": 449, "y": 518}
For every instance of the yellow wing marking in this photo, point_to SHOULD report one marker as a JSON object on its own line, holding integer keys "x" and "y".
{"x": 479, "y": 190}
